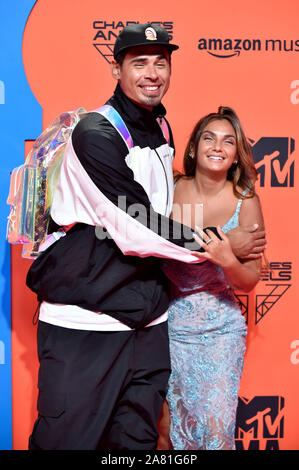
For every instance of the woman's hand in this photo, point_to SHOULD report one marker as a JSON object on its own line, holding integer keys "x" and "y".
{"x": 217, "y": 250}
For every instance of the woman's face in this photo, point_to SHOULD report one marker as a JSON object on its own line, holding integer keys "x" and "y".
{"x": 217, "y": 147}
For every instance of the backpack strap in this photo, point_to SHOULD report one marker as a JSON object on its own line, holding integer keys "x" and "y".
{"x": 115, "y": 119}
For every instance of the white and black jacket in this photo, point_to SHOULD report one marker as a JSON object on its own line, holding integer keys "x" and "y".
{"x": 127, "y": 195}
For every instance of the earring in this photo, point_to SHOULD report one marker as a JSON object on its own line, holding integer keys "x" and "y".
{"x": 191, "y": 155}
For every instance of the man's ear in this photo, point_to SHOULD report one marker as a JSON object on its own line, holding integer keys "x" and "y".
{"x": 115, "y": 70}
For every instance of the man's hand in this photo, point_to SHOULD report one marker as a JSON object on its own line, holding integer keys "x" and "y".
{"x": 247, "y": 242}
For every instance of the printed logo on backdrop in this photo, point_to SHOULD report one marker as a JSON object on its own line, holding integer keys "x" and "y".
{"x": 271, "y": 288}
{"x": 234, "y": 47}
{"x": 259, "y": 423}
{"x": 106, "y": 32}
{"x": 274, "y": 160}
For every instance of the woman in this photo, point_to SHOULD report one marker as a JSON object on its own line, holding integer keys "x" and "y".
{"x": 206, "y": 329}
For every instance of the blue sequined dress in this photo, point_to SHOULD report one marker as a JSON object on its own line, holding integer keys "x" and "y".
{"x": 207, "y": 335}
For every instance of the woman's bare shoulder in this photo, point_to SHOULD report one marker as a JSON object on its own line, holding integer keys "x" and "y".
{"x": 182, "y": 183}
{"x": 251, "y": 211}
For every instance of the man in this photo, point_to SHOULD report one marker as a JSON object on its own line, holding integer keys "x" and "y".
{"x": 102, "y": 333}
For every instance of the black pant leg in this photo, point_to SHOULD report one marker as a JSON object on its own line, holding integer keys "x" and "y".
{"x": 133, "y": 425}
{"x": 81, "y": 376}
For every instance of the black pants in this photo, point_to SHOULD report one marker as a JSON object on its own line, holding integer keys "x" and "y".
{"x": 100, "y": 390}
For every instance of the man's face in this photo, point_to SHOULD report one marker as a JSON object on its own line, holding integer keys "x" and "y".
{"x": 144, "y": 75}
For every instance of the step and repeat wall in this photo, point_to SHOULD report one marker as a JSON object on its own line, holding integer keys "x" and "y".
{"x": 55, "y": 56}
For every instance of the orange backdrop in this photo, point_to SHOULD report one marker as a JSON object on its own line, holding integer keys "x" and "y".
{"x": 239, "y": 54}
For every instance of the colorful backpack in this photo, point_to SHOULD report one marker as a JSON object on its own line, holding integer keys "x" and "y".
{"x": 32, "y": 184}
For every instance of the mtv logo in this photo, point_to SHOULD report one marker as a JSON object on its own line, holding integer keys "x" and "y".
{"x": 260, "y": 418}
{"x": 274, "y": 161}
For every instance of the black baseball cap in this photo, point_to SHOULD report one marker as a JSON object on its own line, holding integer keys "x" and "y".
{"x": 142, "y": 35}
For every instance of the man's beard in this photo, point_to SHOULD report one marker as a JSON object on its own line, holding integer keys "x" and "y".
{"x": 151, "y": 100}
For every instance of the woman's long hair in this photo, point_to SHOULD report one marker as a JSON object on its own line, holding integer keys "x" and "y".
{"x": 243, "y": 174}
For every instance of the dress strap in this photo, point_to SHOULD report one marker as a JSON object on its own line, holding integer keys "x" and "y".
{"x": 240, "y": 202}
